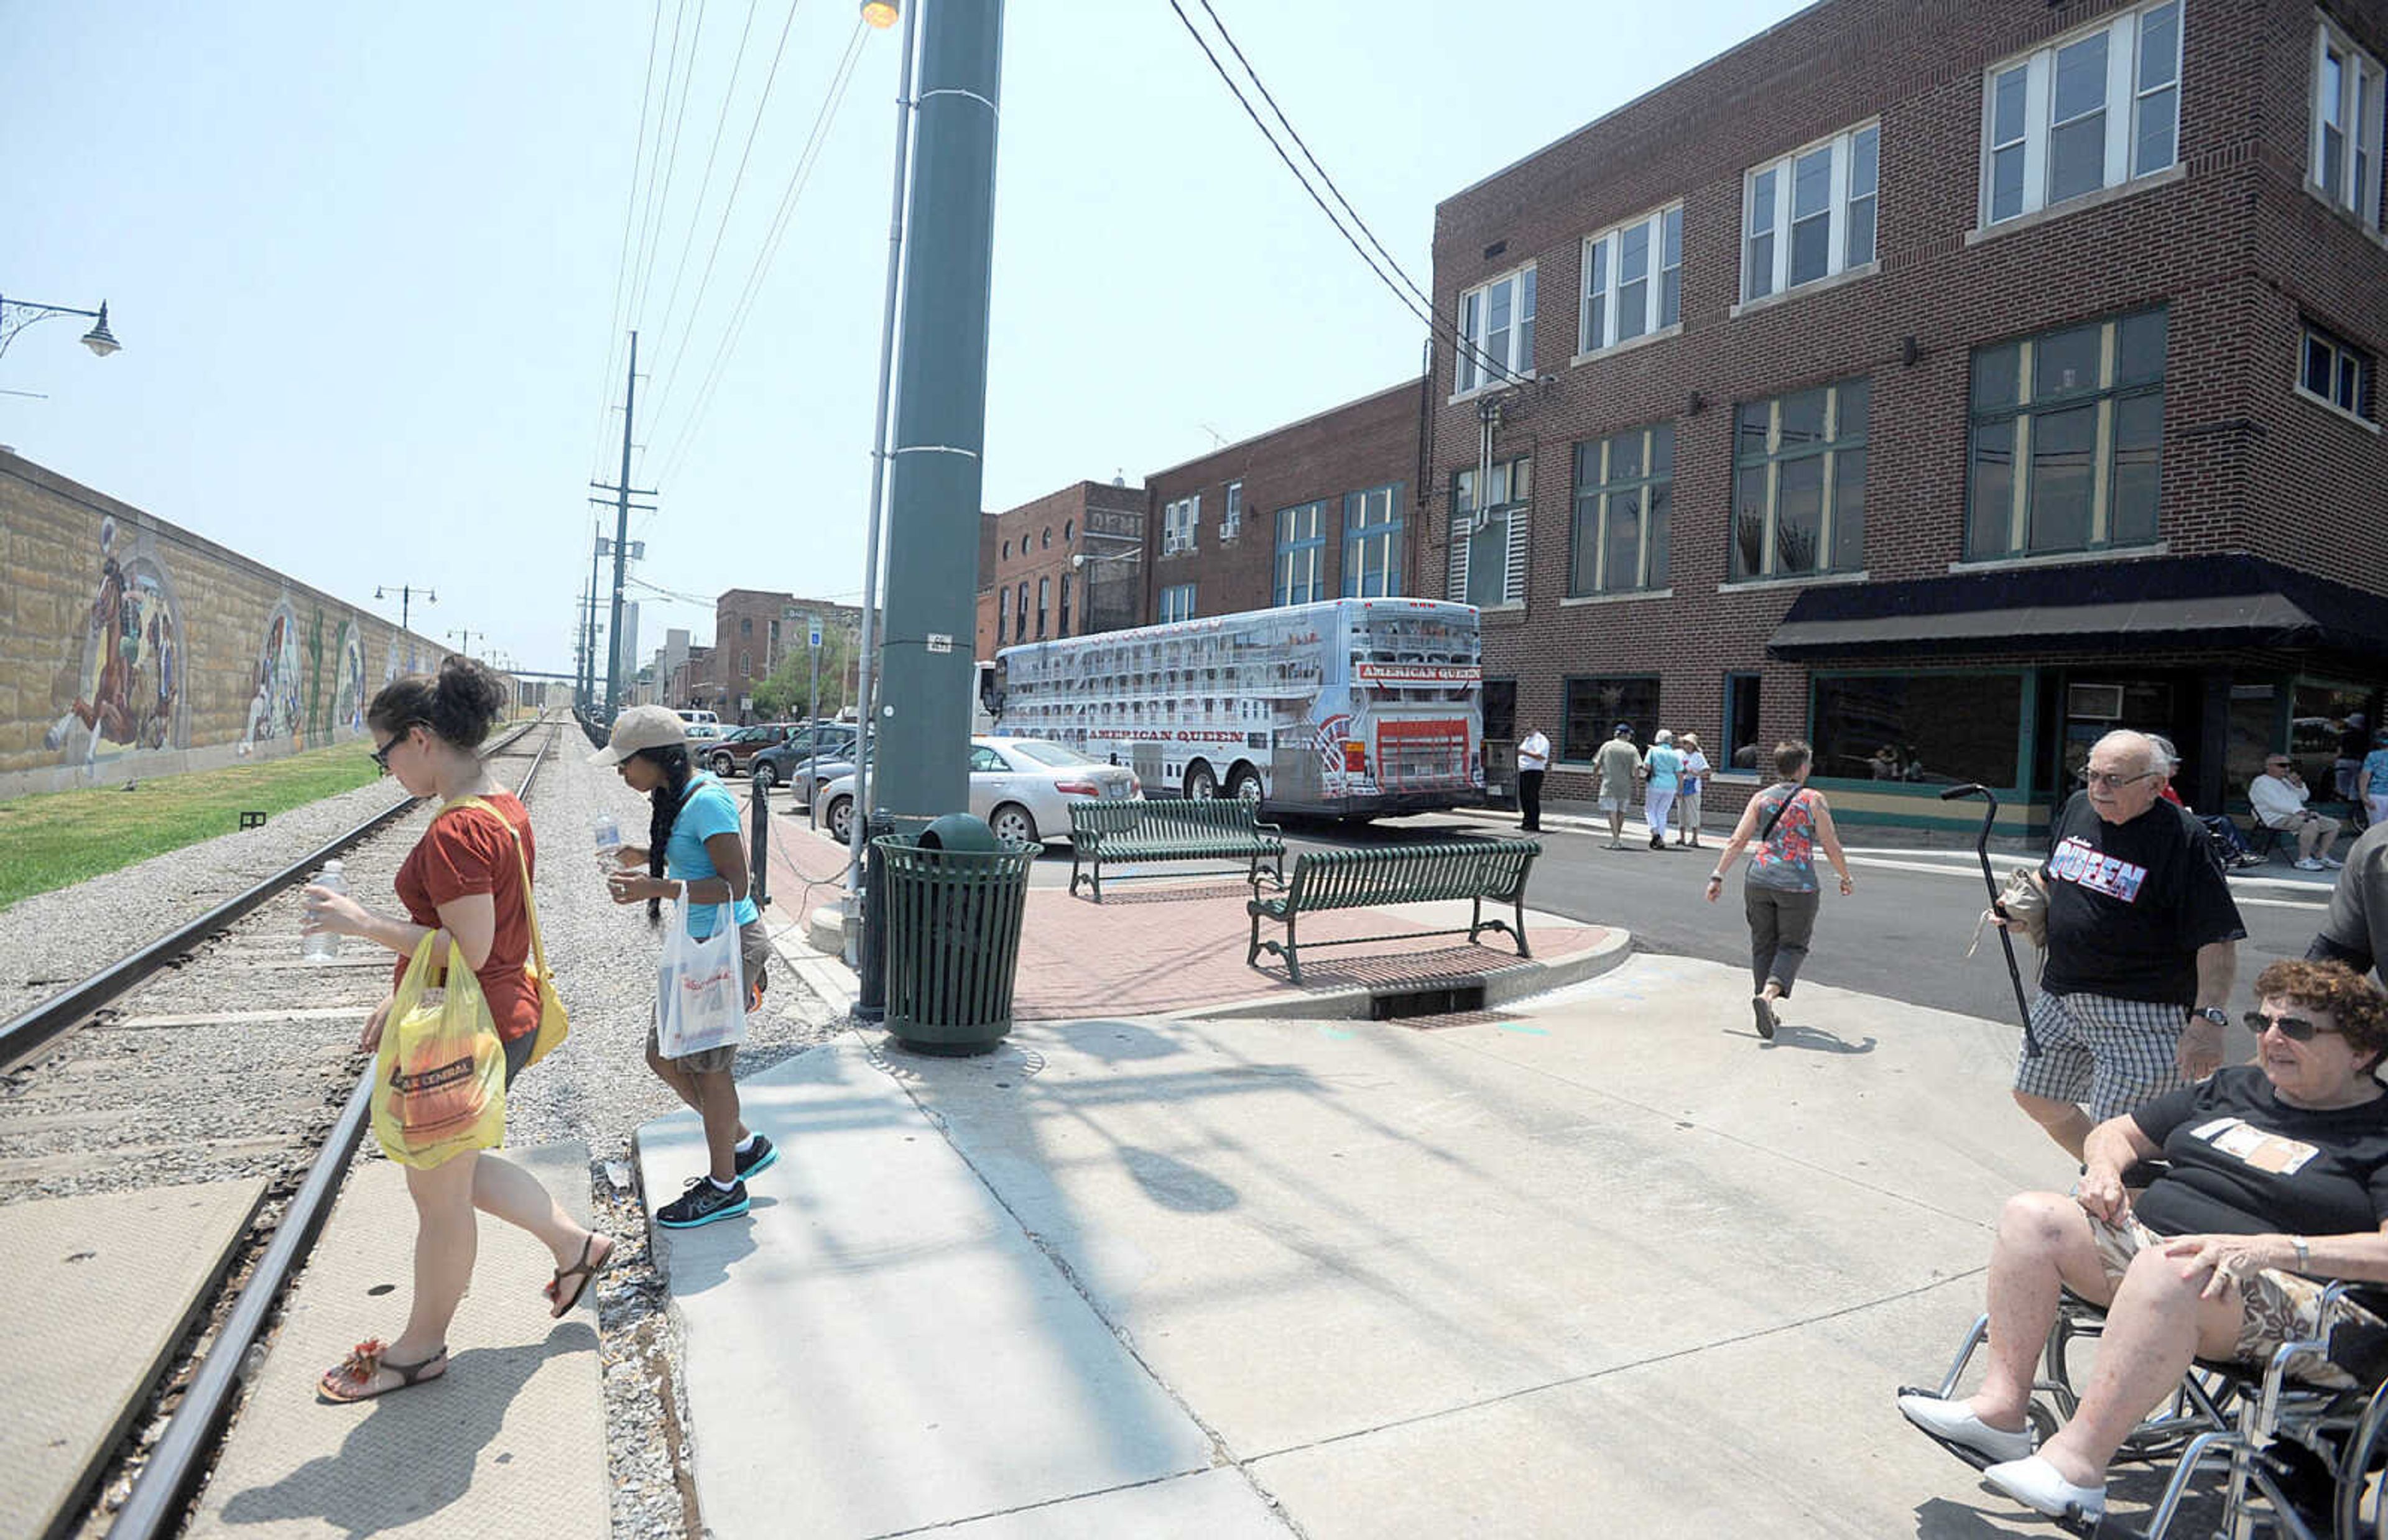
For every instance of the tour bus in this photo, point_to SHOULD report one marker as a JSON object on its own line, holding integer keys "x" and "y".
{"x": 1352, "y": 708}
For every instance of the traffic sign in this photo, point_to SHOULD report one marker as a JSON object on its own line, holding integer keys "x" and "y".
{"x": 813, "y": 632}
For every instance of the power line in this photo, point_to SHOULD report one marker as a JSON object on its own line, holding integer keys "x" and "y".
{"x": 696, "y": 306}
{"x": 671, "y": 161}
{"x": 622, "y": 268}
{"x": 705, "y": 184}
{"x": 805, "y": 163}
{"x": 654, "y": 158}
{"x": 1435, "y": 322}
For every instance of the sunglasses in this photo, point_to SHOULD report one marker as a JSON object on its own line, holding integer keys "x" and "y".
{"x": 2296, "y": 1028}
{"x": 2099, "y": 778}
{"x": 381, "y": 756}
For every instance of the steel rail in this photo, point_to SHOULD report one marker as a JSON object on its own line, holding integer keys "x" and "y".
{"x": 29, "y": 1030}
{"x": 159, "y": 1494}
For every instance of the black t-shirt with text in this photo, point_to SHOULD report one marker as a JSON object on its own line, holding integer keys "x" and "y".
{"x": 2128, "y": 904}
{"x": 2246, "y": 1163}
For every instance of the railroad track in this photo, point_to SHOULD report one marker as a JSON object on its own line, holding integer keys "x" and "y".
{"x": 212, "y": 1053}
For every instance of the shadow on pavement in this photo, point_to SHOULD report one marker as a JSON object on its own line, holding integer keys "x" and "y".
{"x": 1815, "y": 1040}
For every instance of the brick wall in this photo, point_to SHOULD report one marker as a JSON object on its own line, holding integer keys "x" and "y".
{"x": 752, "y": 633}
{"x": 134, "y": 648}
{"x": 1033, "y": 545}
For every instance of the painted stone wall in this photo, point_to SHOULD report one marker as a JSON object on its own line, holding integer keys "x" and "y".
{"x": 134, "y": 649}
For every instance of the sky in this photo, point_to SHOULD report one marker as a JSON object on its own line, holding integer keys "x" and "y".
{"x": 368, "y": 262}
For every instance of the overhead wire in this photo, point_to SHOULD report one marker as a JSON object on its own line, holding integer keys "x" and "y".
{"x": 704, "y": 183}
{"x": 671, "y": 162}
{"x": 803, "y": 172}
{"x": 1436, "y": 322}
{"x": 696, "y": 306}
{"x": 655, "y": 155}
{"x": 622, "y": 268}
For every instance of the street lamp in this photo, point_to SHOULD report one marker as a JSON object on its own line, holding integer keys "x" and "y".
{"x": 406, "y": 601}
{"x": 880, "y": 13}
{"x": 1079, "y": 559}
{"x": 17, "y": 314}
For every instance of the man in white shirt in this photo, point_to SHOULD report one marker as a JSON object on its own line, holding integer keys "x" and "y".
{"x": 2279, "y": 798}
{"x": 1533, "y": 758}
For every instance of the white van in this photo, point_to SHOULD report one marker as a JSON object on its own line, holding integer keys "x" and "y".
{"x": 699, "y": 718}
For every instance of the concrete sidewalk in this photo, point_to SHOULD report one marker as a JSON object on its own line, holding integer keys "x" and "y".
{"x": 1600, "y": 1259}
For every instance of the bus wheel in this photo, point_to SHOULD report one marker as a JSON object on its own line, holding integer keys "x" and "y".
{"x": 1244, "y": 785}
{"x": 1202, "y": 784}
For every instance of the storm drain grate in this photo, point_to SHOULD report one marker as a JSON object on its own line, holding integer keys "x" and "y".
{"x": 1442, "y": 1000}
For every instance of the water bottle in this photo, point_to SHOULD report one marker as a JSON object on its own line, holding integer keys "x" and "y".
{"x": 608, "y": 840}
{"x": 322, "y": 946}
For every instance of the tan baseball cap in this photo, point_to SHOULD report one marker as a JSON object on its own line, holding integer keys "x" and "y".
{"x": 642, "y": 727}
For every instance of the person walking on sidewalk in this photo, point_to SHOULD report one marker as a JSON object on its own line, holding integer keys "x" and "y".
{"x": 1664, "y": 767}
{"x": 694, "y": 854}
{"x": 463, "y": 884}
{"x": 2279, "y": 798}
{"x": 2143, "y": 946}
{"x": 1783, "y": 827}
{"x": 1687, "y": 800}
{"x": 1533, "y": 759}
{"x": 1617, "y": 764}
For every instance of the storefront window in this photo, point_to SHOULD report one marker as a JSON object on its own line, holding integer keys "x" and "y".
{"x": 1924, "y": 729}
{"x": 1595, "y": 707}
{"x": 2318, "y": 718}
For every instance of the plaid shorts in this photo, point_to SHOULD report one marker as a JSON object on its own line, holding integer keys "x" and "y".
{"x": 2114, "y": 1055}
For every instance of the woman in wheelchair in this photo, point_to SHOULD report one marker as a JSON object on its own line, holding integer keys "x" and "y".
{"x": 2278, "y": 1177}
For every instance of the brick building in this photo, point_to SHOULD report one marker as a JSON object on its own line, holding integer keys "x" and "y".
{"x": 1318, "y": 509}
{"x": 751, "y": 634}
{"x": 1944, "y": 383}
{"x": 1030, "y": 588}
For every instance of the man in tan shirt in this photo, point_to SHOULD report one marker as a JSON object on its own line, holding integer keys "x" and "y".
{"x": 1618, "y": 763}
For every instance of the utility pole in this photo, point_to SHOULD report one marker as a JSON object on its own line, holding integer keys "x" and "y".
{"x": 934, "y": 486}
{"x": 622, "y": 491}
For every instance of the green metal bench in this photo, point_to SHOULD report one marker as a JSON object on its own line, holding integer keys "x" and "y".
{"x": 1475, "y": 869}
{"x": 1118, "y": 829}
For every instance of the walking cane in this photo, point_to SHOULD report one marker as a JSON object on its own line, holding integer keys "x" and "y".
{"x": 1982, "y": 849}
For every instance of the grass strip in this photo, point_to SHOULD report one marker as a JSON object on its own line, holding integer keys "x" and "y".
{"x": 56, "y": 839}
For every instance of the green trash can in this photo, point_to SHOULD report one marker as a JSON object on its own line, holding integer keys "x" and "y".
{"x": 953, "y": 920}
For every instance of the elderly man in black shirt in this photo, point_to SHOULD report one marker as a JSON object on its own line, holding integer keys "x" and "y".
{"x": 2142, "y": 945}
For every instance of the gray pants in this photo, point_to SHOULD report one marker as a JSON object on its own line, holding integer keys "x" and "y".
{"x": 1780, "y": 920}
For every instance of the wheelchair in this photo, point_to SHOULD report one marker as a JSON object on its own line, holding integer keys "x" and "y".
{"x": 2303, "y": 1463}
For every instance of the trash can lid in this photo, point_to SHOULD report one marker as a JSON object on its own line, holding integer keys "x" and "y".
{"x": 960, "y": 832}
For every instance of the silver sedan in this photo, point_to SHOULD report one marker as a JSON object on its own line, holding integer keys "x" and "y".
{"x": 1023, "y": 787}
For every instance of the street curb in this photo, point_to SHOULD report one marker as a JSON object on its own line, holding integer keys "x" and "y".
{"x": 1522, "y": 978}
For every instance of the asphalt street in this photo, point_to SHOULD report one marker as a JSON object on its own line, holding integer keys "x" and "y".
{"x": 1903, "y": 934}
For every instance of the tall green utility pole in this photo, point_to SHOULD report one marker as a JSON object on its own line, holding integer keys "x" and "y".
{"x": 923, "y": 708}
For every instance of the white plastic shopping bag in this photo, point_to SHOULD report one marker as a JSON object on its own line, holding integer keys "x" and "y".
{"x": 701, "y": 994}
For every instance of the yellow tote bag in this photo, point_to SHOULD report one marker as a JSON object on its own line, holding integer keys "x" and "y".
{"x": 439, "y": 1076}
{"x": 553, "y": 1024}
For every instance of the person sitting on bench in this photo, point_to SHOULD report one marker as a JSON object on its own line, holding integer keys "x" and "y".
{"x": 2279, "y": 798}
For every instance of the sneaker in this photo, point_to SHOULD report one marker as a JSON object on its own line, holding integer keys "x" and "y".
{"x": 1954, "y": 1422}
{"x": 2332, "y": 863}
{"x": 703, "y": 1204}
{"x": 2035, "y": 1484}
{"x": 1656, "y": 844}
{"x": 2308, "y": 864}
{"x": 762, "y": 1157}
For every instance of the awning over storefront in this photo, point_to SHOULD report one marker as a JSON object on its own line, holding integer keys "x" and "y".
{"x": 2192, "y": 601}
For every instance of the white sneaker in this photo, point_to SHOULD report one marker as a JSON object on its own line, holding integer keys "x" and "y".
{"x": 2308, "y": 864}
{"x": 1954, "y": 1422}
{"x": 2035, "y": 1484}
{"x": 2332, "y": 863}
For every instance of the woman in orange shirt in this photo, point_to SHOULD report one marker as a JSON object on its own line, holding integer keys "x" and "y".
{"x": 463, "y": 880}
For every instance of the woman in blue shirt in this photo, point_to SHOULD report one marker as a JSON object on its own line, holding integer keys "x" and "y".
{"x": 694, "y": 854}
{"x": 2371, "y": 779}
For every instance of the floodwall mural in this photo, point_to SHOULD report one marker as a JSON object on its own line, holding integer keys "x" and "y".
{"x": 133, "y": 648}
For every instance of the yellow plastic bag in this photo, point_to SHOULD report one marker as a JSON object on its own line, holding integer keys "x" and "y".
{"x": 554, "y": 1026}
{"x": 439, "y": 1078}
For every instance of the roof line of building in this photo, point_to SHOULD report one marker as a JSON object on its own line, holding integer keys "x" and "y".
{"x": 1410, "y": 383}
{"x": 1630, "y": 105}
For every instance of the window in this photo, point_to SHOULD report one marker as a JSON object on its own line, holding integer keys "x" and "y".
{"x": 1496, "y": 331}
{"x": 1002, "y": 614}
{"x": 1178, "y": 603}
{"x": 1043, "y": 598}
{"x": 2097, "y": 111}
{"x": 745, "y": 626}
{"x": 1301, "y": 554}
{"x": 2349, "y": 88}
{"x": 1231, "y": 523}
{"x": 1065, "y": 604}
{"x": 1624, "y": 491}
{"x": 2067, "y": 439}
{"x": 1632, "y": 281}
{"x": 1488, "y": 546}
{"x": 1595, "y": 707}
{"x": 747, "y": 666}
{"x": 1020, "y": 625}
{"x": 2333, "y": 372}
{"x": 1178, "y": 521}
{"x": 1798, "y": 482}
{"x": 1932, "y": 729}
{"x": 1068, "y": 527}
{"x": 1810, "y": 214}
{"x": 1501, "y": 711}
{"x": 1045, "y": 542}
{"x": 1741, "y": 742}
{"x": 1372, "y": 543}
{"x": 1007, "y": 550}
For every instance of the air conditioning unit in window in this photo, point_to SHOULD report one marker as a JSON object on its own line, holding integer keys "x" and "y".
{"x": 2094, "y": 703}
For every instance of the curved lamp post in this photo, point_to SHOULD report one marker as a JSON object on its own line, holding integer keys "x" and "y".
{"x": 17, "y": 314}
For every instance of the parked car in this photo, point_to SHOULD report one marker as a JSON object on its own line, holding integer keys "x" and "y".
{"x": 700, "y": 734}
{"x": 1022, "y": 786}
{"x": 738, "y": 746}
{"x": 789, "y": 763}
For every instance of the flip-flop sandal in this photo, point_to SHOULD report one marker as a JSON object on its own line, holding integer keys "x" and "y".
{"x": 584, "y": 1270}
{"x": 353, "y": 1379}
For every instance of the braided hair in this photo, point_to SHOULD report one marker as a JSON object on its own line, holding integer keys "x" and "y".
{"x": 672, "y": 759}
